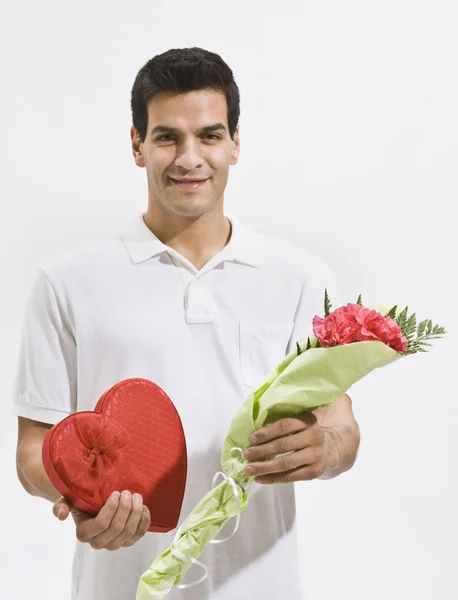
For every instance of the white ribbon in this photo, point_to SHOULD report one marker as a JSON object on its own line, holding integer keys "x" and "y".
{"x": 184, "y": 557}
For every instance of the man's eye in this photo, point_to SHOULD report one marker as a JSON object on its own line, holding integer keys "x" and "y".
{"x": 211, "y": 135}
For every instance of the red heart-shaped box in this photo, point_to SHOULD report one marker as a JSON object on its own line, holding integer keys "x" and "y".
{"x": 133, "y": 440}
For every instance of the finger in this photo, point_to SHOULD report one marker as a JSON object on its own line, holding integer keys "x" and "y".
{"x": 292, "y": 461}
{"x": 63, "y": 512}
{"x": 131, "y": 525}
{"x": 283, "y": 427}
{"x": 117, "y": 523}
{"x": 61, "y": 508}
{"x": 288, "y": 443}
{"x": 91, "y": 528}
{"x": 145, "y": 522}
{"x": 306, "y": 473}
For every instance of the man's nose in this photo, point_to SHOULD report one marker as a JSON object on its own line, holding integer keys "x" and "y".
{"x": 188, "y": 155}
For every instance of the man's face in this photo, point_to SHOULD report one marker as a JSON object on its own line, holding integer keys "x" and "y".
{"x": 181, "y": 144}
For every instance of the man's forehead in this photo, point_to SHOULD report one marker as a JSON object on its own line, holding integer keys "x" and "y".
{"x": 199, "y": 112}
{"x": 197, "y": 105}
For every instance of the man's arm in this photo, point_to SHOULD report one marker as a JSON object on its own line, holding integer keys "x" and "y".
{"x": 29, "y": 466}
{"x": 341, "y": 436}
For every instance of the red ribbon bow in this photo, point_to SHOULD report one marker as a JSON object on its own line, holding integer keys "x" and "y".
{"x": 99, "y": 466}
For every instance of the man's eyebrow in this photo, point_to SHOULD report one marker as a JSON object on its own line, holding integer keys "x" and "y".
{"x": 168, "y": 129}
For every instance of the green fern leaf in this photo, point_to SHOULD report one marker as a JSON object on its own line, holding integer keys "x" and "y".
{"x": 402, "y": 319}
{"x": 422, "y": 327}
{"x": 392, "y": 313}
{"x": 411, "y": 326}
{"x": 327, "y": 303}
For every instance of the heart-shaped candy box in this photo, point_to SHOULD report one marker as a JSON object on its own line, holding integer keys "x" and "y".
{"x": 133, "y": 440}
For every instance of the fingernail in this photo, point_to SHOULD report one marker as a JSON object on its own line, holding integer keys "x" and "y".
{"x": 254, "y": 439}
{"x": 248, "y": 453}
{"x": 138, "y": 500}
{"x": 126, "y": 495}
{"x": 250, "y": 470}
{"x": 116, "y": 496}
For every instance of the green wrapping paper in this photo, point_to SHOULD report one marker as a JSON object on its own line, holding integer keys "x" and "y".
{"x": 200, "y": 527}
{"x": 302, "y": 382}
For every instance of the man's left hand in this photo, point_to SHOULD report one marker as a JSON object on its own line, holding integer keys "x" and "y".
{"x": 301, "y": 436}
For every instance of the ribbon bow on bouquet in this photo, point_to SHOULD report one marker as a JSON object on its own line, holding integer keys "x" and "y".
{"x": 348, "y": 344}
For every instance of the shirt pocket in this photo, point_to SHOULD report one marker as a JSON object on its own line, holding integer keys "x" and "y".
{"x": 263, "y": 345}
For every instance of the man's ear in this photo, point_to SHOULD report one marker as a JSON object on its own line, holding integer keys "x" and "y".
{"x": 136, "y": 147}
{"x": 236, "y": 148}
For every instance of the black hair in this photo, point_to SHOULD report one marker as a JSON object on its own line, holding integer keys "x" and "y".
{"x": 183, "y": 70}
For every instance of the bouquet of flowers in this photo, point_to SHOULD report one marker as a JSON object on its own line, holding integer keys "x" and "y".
{"x": 348, "y": 343}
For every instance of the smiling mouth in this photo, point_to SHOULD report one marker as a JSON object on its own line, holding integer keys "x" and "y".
{"x": 188, "y": 185}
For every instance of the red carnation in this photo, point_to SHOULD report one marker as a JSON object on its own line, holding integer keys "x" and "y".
{"x": 355, "y": 323}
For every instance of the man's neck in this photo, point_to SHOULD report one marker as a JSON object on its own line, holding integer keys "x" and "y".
{"x": 198, "y": 239}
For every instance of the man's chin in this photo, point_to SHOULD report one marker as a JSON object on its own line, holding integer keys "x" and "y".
{"x": 191, "y": 208}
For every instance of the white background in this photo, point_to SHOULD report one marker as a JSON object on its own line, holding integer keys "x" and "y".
{"x": 349, "y": 149}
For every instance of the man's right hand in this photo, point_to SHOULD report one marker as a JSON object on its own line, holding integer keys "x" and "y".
{"x": 121, "y": 522}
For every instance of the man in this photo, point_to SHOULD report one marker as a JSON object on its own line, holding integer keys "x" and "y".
{"x": 190, "y": 299}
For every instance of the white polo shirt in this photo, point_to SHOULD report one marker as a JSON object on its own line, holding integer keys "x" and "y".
{"x": 129, "y": 306}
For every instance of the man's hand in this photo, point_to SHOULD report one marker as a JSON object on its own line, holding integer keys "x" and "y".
{"x": 121, "y": 522}
{"x": 302, "y": 436}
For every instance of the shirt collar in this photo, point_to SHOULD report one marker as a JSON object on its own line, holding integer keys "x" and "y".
{"x": 142, "y": 244}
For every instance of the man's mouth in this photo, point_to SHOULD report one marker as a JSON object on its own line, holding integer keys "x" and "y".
{"x": 187, "y": 184}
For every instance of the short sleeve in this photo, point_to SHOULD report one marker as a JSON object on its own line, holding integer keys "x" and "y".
{"x": 45, "y": 381}
{"x": 318, "y": 278}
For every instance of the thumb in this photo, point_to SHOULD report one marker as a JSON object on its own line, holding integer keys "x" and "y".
{"x": 61, "y": 508}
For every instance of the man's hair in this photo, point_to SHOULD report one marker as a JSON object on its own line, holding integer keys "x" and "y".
{"x": 182, "y": 70}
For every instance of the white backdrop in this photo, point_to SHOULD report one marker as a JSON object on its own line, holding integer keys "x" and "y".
{"x": 349, "y": 136}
